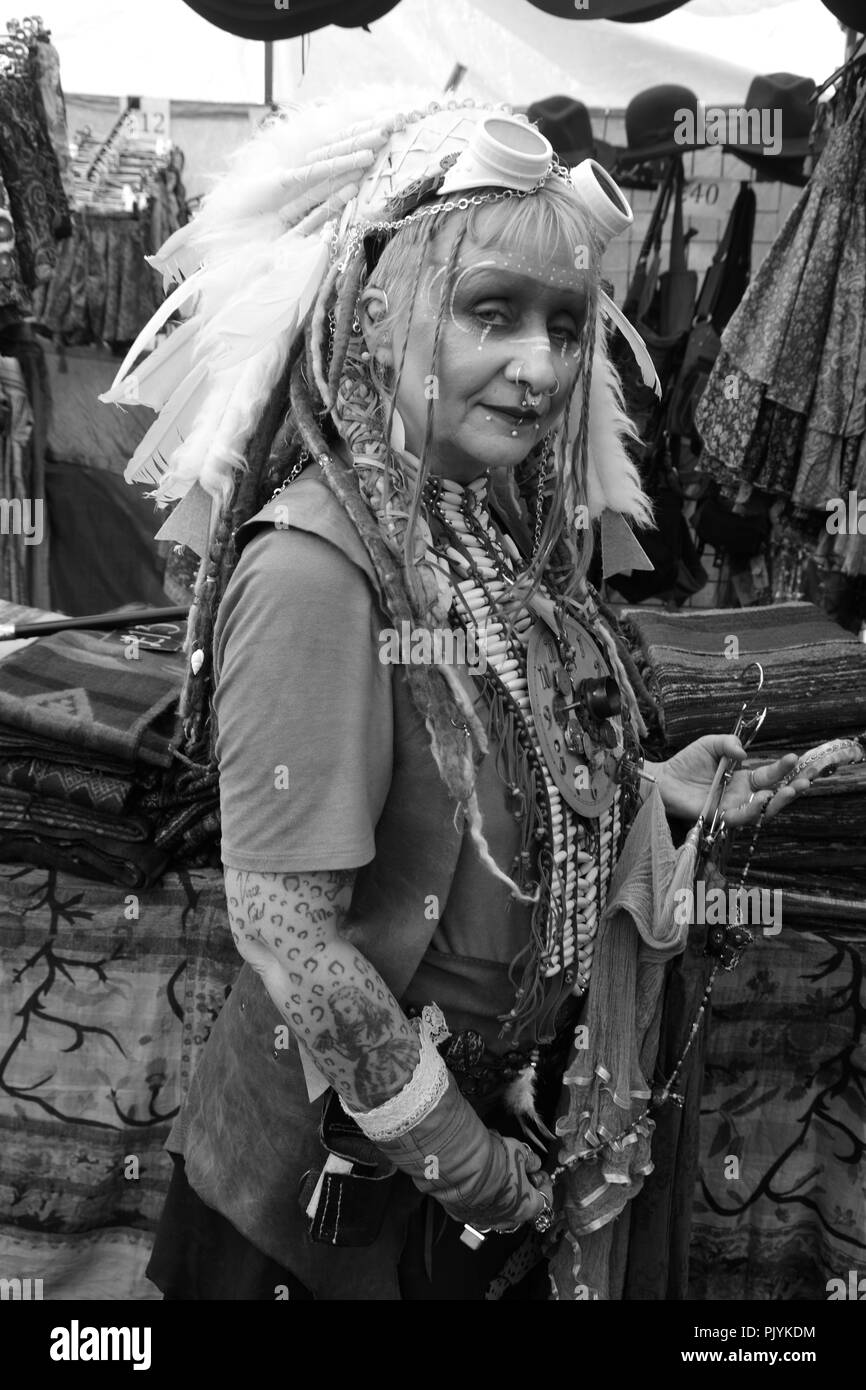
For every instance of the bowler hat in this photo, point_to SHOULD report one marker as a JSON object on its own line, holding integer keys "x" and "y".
{"x": 566, "y": 123}
{"x": 651, "y": 120}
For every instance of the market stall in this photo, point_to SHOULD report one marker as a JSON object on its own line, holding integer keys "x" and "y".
{"x": 115, "y": 950}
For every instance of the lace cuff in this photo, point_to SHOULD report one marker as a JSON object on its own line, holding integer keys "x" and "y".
{"x": 423, "y": 1091}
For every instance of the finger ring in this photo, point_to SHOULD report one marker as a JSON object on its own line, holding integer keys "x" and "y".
{"x": 544, "y": 1220}
{"x": 752, "y": 783}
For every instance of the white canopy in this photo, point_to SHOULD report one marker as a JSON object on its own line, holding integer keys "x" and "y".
{"x": 513, "y": 52}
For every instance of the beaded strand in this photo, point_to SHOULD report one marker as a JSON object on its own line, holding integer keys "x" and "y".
{"x": 482, "y": 565}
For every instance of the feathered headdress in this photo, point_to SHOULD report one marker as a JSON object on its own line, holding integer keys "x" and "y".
{"x": 249, "y": 267}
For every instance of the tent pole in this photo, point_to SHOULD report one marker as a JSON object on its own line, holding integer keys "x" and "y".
{"x": 269, "y": 74}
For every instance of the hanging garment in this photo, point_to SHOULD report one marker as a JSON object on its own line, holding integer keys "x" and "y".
{"x": 44, "y": 65}
{"x": 103, "y": 290}
{"x": 785, "y": 406}
{"x": 15, "y": 300}
{"x": 22, "y": 518}
{"x": 40, "y": 208}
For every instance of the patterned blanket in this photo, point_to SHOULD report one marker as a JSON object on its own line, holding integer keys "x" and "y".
{"x": 780, "y": 1206}
{"x": 814, "y": 670}
{"x": 106, "y": 1001}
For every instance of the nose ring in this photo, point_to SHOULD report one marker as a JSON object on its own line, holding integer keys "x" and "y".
{"x": 531, "y": 399}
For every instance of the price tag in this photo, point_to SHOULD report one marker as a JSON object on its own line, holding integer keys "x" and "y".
{"x": 709, "y": 198}
{"x": 152, "y": 119}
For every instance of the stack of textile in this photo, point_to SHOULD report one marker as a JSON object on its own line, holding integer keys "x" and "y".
{"x": 88, "y": 752}
{"x": 782, "y": 1082}
{"x": 694, "y": 666}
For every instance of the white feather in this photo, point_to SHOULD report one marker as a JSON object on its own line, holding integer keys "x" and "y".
{"x": 648, "y": 372}
{"x": 175, "y": 301}
{"x": 612, "y": 479}
{"x": 276, "y": 303}
{"x": 157, "y": 376}
{"x": 151, "y": 458}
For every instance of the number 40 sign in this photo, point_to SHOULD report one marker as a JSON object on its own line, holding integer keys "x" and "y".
{"x": 709, "y": 198}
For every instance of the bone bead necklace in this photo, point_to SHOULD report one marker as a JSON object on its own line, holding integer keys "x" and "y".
{"x": 482, "y": 566}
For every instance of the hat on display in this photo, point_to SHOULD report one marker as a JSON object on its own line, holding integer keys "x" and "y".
{"x": 651, "y": 121}
{"x": 625, "y": 11}
{"x": 566, "y": 123}
{"x": 779, "y": 109}
{"x": 848, "y": 12}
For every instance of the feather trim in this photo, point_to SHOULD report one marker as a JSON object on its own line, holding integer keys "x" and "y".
{"x": 156, "y": 378}
{"x": 519, "y": 1098}
{"x": 174, "y": 422}
{"x": 648, "y": 372}
{"x": 612, "y": 482}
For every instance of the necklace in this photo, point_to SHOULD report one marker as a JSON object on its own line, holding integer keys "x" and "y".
{"x": 575, "y": 860}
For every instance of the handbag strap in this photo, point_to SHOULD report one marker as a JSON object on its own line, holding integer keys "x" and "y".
{"x": 678, "y": 241}
{"x": 640, "y": 291}
{"x": 735, "y": 243}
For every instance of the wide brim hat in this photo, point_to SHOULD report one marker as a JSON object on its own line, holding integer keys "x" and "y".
{"x": 785, "y": 95}
{"x": 848, "y": 12}
{"x": 567, "y": 124}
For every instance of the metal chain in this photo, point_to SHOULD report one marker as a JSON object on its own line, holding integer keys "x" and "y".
{"x": 539, "y": 498}
{"x": 303, "y": 460}
{"x": 358, "y": 233}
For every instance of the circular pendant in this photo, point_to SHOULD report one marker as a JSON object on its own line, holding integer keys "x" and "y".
{"x": 575, "y": 705}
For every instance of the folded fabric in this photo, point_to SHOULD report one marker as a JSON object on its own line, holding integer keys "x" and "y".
{"x": 814, "y": 670}
{"x": 23, "y": 811}
{"x": 128, "y": 864}
{"x": 77, "y": 786}
{"x": 83, "y": 690}
{"x": 15, "y": 744}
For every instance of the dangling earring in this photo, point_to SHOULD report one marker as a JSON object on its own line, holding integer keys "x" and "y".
{"x": 547, "y": 457}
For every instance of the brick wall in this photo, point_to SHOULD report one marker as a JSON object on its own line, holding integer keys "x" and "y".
{"x": 774, "y": 202}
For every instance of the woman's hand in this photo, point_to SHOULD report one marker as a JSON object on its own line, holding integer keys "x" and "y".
{"x": 684, "y": 780}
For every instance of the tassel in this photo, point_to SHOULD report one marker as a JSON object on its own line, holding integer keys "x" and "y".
{"x": 519, "y": 1099}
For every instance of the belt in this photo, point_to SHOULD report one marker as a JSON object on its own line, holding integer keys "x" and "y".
{"x": 480, "y": 1072}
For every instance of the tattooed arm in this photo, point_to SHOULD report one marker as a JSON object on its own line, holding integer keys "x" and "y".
{"x": 286, "y": 925}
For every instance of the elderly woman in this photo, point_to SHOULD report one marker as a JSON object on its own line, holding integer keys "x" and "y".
{"x": 405, "y": 315}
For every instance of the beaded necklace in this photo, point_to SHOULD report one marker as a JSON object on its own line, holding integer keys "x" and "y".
{"x": 576, "y": 856}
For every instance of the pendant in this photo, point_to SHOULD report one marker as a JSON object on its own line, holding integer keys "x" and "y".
{"x": 575, "y": 704}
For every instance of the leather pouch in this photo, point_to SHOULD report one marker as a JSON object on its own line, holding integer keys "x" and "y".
{"x": 351, "y": 1206}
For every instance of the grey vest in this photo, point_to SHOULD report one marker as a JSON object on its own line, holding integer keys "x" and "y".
{"x": 247, "y": 1130}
